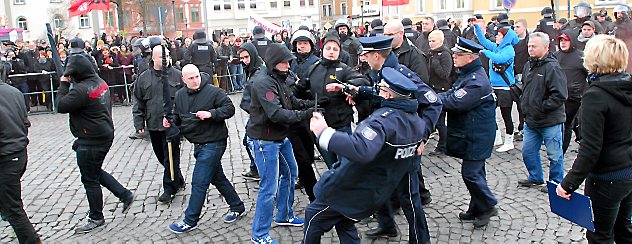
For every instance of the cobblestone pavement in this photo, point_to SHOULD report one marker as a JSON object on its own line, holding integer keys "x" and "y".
{"x": 55, "y": 199}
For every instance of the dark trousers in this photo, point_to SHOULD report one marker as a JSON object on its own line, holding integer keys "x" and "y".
{"x": 407, "y": 192}
{"x": 320, "y": 218}
{"x": 160, "y": 146}
{"x": 11, "y": 206}
{"x": 24, "y": 88}
{"x": 572, "y": 107}
{"x": 474, "y": 176}
{"x": 443, "y": 133}
{"x": 302, "y": 141}
{"x": 520, "y": 117}
{"x": 208, "y": 170}
{"x": 90, "y": 159}
{"x": 612, "y": 208}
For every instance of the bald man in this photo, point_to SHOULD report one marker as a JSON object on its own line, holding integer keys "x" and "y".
{"x": 407, "y": 54}
{"x": 200, "y": 112}
{"x": 148, "y": 112}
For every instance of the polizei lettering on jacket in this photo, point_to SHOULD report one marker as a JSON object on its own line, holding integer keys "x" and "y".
{"x": 405, "y": 152}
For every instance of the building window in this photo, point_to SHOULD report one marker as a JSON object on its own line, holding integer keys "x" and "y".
{"x": 302, "y": 2}
{"x": 22, "y": 23}
{"x": 367, "y": 3}
{"x": 19, "y": 1}
{"x": 497, "y": 4}
{"x": 420, "y": 6}
{"x": 326, "y": 9}
{"x": 606, "y": 2}
{"x": 343, "y": 8}
{"x": 253, "y": 4}
{"x": 127, "y": 18}
{"x": 109, "y": 18}
{"x": 286, "y": 3}
{"x": 57, "y": 22}
{"x": 227, "y": 4}
{"x": 179, "y": 15}
{"x": 273, "y": 4}
{"x": 443, "y": 4}
{"x": 195, "y": 15}
{"x": 241, "y": 4}
{"x": 460, "y": 4}
{"x": 84, "y": 21}
{"x": 311, "y": 2}
{"x": 217, "y": 5}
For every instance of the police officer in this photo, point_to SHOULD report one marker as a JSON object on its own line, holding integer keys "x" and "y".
{"x": 383, "y": 156}
{"x": 582, "y": 14}
{"x": 471, "y": 128}
{"x": 449, "y": 38}
{"x": 349, "y": 43}
{"x": 260, "y": 41}
{"x": 377, "y": 28}
{"x": 201, "y": 53}
{"x": 303, "y": 43}
{"x": 623, "y": 29}
{"x": 409, "y": 32}
{"x": 546, "y": 26}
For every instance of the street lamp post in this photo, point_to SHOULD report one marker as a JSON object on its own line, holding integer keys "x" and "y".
{"x": 362, "y": 11}
{"x": 186, "y": 25}
{"x": 173, "y": 9}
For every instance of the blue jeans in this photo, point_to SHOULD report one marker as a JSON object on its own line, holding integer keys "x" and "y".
{"x": 237, "y": 76}
{"x": 278, "y": 172}
{"x": 208, "y": 170}
{"x": 329, "y": 157}
{"x": 553, "y": 137}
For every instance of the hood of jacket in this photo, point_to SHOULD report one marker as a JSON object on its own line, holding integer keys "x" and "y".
{"x": 510, "y": 39}
{"x": 539, "y": 62}
{"x": 619, "y": 85}
{"x": 204, "y": 80}
{"x": 277, "y": 53}
{"x": 80, "y": 67}
{"x": 255, "y": 60}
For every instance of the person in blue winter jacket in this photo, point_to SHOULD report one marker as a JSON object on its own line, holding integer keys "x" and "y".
{"x": 501, "y": 75}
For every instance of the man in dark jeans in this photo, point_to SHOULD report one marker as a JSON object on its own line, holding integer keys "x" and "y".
{"x": 13, "y": 141}
{"x": 89, "y": 105}
{"x": 148, "y": 112}
{"x": 200, "y": 112}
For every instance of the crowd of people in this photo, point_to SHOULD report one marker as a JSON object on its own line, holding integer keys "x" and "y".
{"x": 368, "y": 104}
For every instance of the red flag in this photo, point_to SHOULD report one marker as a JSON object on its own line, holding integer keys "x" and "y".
{"x": 394, "y": 2}
{"x": 79, "y": 7}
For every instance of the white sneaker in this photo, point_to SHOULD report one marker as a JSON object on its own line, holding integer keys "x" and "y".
{"x": 508, "y": 145}
{"x": 498, "y": 140}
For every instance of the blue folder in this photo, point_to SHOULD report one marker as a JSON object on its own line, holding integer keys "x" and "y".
{"x": 577, "y": 210}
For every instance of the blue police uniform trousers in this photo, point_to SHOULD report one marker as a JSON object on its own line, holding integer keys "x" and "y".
{"x": 320, "y": 218}
{"x": 408, "y": 193}
{"x": 474, "y": 176}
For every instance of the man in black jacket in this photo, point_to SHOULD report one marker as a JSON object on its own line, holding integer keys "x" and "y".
{"x": 571, "y": 61}
{"x": 148, "y": 112}
{"x": 260, "y": 41}
{"x": 89, "y": 106}
{"x": 13, "y": 159}
{"x": 252, "y": 64}
{"x": 427, "y": 25}
{"x": 200, "y": 112}
{"x": 409, "y": 32}
{"x": 542, "y": 101}
{"x": 272, "y": 110}
{"x": 407, "y": 54}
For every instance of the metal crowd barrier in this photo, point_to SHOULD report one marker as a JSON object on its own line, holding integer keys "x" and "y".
{"x": 52, "y": 92}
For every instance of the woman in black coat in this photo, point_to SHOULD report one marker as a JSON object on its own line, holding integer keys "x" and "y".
{"x": 440, "y": 67}
{"x": 604, "y": 159}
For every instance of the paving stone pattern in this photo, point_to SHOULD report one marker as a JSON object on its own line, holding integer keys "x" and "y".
{"x": 56, "y": 203}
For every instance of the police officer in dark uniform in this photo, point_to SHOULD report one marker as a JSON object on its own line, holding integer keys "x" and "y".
{"x": 409, "y": 32}
{"x": 449, "y": 38}
{"x": 471, "y": 128}
{"x": 349, "y": 43}
{"x": 303, "y": 43}
{"x": 260, "y": 41}
{"x": 582, "y": 14}
{"x": 201, "y": 53}
{"x": 377, "y": 28}
{"x": 546, "y": 26}
{"x": 377, "y": 52}
{"x": 383, "y": 154}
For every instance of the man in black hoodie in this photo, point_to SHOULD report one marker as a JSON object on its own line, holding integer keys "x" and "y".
{"x": 13, "y": 159}
{"x": 86, "y": 98}
{"x": 272, "y": 110}
{"x": 260, "y": 41}
{"x": 542, "y": 101}
{"x": 571, "y": 61}
{"x": 252, "y": 64}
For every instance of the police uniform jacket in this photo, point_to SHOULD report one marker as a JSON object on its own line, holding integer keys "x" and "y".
{"x": 201, "y": 55}
{"x": 411, "y": 34}
{"x": 546, "y": 26}
{"x": 338, "y": 113}
{"x": 414, "y": 59}
{"x": 205, "y": 98}
{"x": 471, "y": 114}
{"x": 429, "y": 107}
{"x": 382, "y": 150}
{"x": 261, "y": 43}
{"x": 273, "y": 108}
{"x": 148, "y": 109}
{"x": 544, "y": 92}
